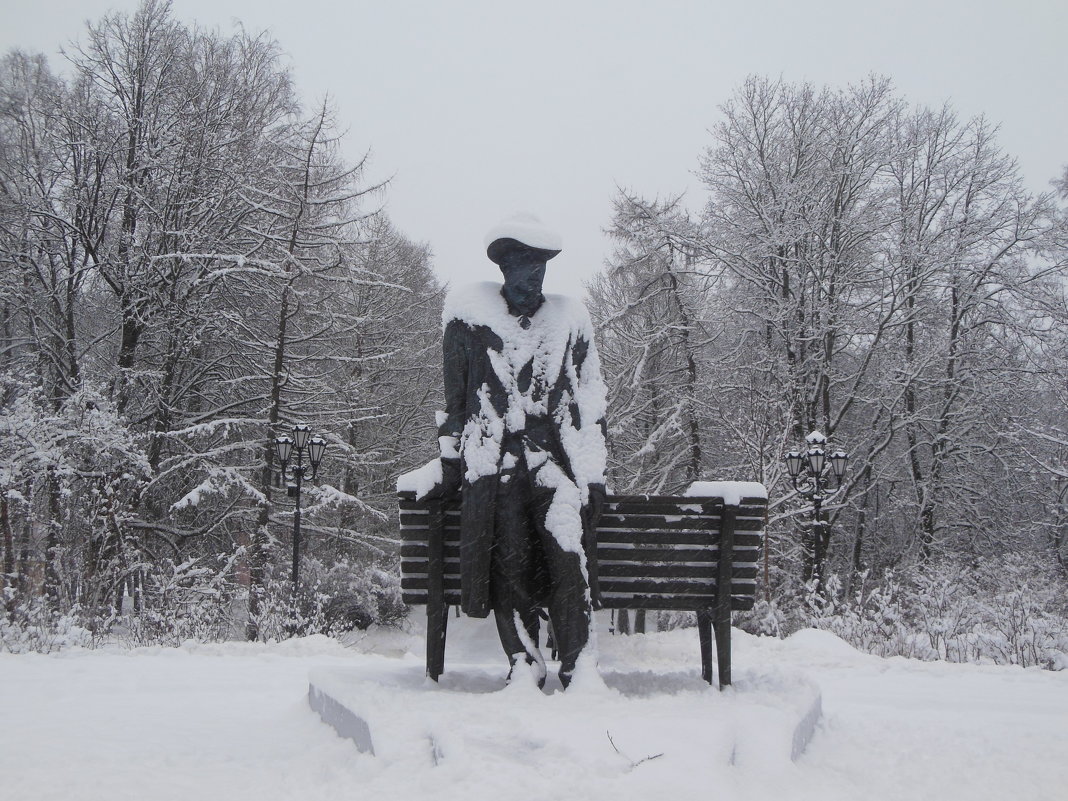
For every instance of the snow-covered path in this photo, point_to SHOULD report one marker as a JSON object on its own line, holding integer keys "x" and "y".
{"x": 903, "y": 729}
{"x": 232, "y": 722}
{"x": 198, "y": 723}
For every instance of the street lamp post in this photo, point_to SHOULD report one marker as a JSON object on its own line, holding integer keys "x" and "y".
{"x": 300, "y": 444}
{"x": 810, "y": 472}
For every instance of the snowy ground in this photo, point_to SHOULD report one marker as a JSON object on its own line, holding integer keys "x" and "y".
{"x": 232, "y": 722}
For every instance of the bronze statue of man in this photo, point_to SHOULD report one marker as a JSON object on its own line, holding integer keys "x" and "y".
{"x": 523, "y": 435}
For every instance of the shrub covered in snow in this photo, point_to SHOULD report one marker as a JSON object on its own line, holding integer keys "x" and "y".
{"x": 203, "y": 600}
{"x": 30, "y": 624}
{"x": 1010, "y": 610}
{"x": 333, "y": 599}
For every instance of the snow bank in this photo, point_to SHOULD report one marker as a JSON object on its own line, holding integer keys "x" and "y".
{"x": 232, "y": 722}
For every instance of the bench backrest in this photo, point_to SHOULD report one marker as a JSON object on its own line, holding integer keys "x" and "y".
{"x": 653, "y": 552}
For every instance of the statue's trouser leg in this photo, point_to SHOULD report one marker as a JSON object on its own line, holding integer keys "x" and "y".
{"x": 511, "y": 569}
{"x": 569, "y": 604}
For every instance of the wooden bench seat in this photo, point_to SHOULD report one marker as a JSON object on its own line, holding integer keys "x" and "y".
{"x": 653, "y": 552}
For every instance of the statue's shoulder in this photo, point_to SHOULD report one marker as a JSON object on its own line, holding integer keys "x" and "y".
{"x": 570, "y": 311}
{"x": 474, "y": 304}
{"x": 567, "y": 305}
{"x": 481, "y": 304}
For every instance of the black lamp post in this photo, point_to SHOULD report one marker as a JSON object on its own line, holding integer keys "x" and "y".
{"x": 302, "y": 442}
{"x": 810, "y": 472}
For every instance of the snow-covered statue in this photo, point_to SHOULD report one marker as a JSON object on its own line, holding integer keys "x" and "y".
{"x": 523, "y": 435}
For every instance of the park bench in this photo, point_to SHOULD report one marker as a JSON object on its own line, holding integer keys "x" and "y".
{"x": 693, "y": 553}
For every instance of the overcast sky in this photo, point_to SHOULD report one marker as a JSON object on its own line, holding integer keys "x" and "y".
{"x": 479, "y": 109}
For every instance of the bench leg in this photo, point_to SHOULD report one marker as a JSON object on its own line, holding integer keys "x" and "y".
{"x": 707, "y": 626}
{"x": 704, "y": 630}
{"x": 437, "y": 622}
{"x": 723, "y": 651}
{"x": 721, "y": 615}
{"x": 437, "y": 613}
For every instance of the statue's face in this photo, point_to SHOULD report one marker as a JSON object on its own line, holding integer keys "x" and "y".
{"x": 524, "y": 273}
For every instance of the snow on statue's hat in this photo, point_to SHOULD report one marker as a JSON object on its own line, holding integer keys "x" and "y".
{"x": 525, "y": 229}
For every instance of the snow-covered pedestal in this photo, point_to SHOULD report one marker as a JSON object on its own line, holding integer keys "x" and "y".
{"x": 609, "y": 722}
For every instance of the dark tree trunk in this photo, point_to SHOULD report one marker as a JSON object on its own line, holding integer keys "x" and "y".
{"x": 132, "y": 329}
{"x": 856, "y": 558}
{"x": 258, "y": 556}
{"x": 52, "y": 588}
{"x": 9, "y": 548}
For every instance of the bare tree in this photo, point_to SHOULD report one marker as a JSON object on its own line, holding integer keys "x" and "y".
{"x": 192, "y": 259}
{"x": 862, "y": 268}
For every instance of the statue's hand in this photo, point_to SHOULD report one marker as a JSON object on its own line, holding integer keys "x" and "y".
{"x": 450, "y": 477}
{"x": 449, "y": 487}
{"x": 594, "y": 506}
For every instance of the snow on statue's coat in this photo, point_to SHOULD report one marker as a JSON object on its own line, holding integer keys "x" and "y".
{"x": 557, "y": 405}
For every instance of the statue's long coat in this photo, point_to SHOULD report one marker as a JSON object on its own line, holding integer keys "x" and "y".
{"x": 541, "y": 384}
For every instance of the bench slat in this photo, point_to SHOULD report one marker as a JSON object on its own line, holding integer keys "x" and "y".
{"x": 643, "y": 553}
{"x": 409, "y": 498}
{"x": 673, "y": 603}
{"x": 652, "y": 554}
{"x": 633, "y": 538}
{"x": 638, "y": 537}
{"x": 633, "y": 505}
{"x": 669, "y": 584}
{"x": 610, "y": 585}
{"x": 667, "y": 603}
{"x": 415, "y": 597}
{"x": 748, "y": 536}
{"x": 614, "y": 570}
{"x": 627, "y": 517}
{"x": 673, "y": 523}
{"x": 414, "y": 520}
{"x": 683, "y": 570}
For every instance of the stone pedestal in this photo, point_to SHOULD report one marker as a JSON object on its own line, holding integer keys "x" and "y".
{"x": 609, "y": 721}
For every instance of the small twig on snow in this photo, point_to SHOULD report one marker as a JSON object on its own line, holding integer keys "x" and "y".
{"x": 633, "y": 764}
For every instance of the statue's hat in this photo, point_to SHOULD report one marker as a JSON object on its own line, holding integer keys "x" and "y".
{"x": 526, "y": 229}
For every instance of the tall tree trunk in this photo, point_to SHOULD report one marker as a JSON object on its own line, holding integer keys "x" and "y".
{"x": 9, "y": 547}
{"x": 132, "y": 328}
{"x": 258, "y": 557}
{"x": 52, "y": 525}
{"x": 855, "y": 563}
{"x": 693, "y": 426}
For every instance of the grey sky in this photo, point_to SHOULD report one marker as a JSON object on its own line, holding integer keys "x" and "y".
{"x": 480, "y": 109}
